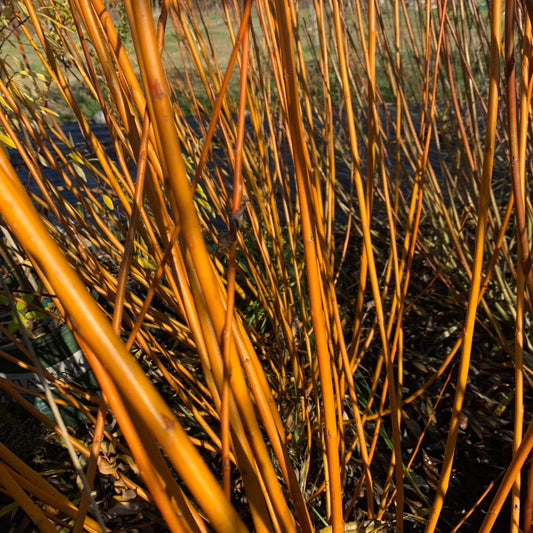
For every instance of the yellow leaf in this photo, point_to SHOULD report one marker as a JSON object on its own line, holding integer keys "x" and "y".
{"x": 79, "y": 171}
{"x": 74, "y": 156}
{"x": 47, "y": 111}
{"x": 145, "y": 262}
{"x": 187, "y": 160}
{"x": 108, "y": 202}
{"x": 6, "y": 139}
{"x": 42, "y": 160}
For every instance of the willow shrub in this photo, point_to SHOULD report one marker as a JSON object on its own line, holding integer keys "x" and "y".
{"x": 305, "y": 224}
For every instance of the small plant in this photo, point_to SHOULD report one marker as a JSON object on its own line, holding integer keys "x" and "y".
{"x": 30, "y": 316}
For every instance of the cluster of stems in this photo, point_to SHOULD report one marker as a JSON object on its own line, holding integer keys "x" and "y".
{"x": 271, "y": 211}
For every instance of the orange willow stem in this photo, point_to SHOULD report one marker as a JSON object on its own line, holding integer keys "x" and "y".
{"x": 91, "y": 467}
{"x": 159, "y": 482}
{"x": 508, "y": 480}
{"x": 523, "y": 245}
{"x": 42, "y": 489}
{"x": 162, "y": 117}
{"x": 93, "y": 327}
{"x": 476, "y": 268}
{"x": 369, "y": 255}
{"x": 33, "y": 511}
{"x": 242, "y": 32}
{"x": 301, "y": 169}
{"x": 235, "y": 221}
{"x": 225, "y": 394}
{"x": 122, "y": 278}
{"x": 527, "y": 87}
{"x": 519, "y": 392}
{"x": 199, "y": 262}
{"x": 528, "y": 503}
{"x": 469, "y": 513}
{"x": 516, "y": 164}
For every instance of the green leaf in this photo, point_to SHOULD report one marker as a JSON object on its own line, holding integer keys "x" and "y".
{"x": 13, "y": 325}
